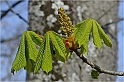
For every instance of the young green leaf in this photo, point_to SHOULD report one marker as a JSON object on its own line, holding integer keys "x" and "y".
{"x": 20, "y": 59}
{"x": 105, "y": 38}
{"x": 84, "y": 48}
{"x": 96, "y": 36}
{"x": 29, "y": 63}
{"x": 68, "y": 53}
{"x": 94, "y": 74}
{"x": 83, "y": 31}
{"x": 36, "y": 39}
{"x": 40, "y": 55}
{"x": 58, "y": 43}
{"x": 32, "y": 50}
{"x": 47, "y": 59}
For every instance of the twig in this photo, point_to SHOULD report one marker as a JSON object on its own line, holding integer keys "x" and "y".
{"x": 16, "y": 13}
{"x": 100, "y": 70}
{"x": 114, "y": 22}
{"x": 105, "y": 27}
{"x": 5, "y": 12}
{"x": 106, "y": 11}
{"x": 10, "y": 39}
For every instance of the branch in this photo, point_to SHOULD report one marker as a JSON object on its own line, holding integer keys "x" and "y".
{"x": 114, "y": 21}
{"x": 100, "y": 70}
{"x": 5, "y": 12}
{"x": 105, "y": 27}
{"x": 107, "y": 11}
{"x": 10, "y": 39}
{"x": 16, "y": 13}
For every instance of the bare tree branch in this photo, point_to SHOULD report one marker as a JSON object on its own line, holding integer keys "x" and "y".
{"x": 5, "y": 12}
{"x": 12, "y": 38}
{"x": 15, "y": 12}
{"x": 114, "y": 22}
{"x": 105, "y": 27}
{"x": 100, "y": 70}
{"x": 106, "y": 11}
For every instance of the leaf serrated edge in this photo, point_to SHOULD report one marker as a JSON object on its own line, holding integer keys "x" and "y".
{"x": 36, "y": 39}
{"x": 47, "y": 59}
{"x": 82, "y": 31}
{"x": 40, "y": 56}
{"x": 105, "y": 37}
{"x": 59, "y": 53}
{"x": 31, "y": 47}
{"x": 96, "y": 36}
{"x": 20, "y": 59}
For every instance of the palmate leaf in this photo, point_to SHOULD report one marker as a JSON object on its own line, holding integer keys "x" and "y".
{"x": 44, "y": 58}
{"x": 58, "y": 43}
{"x": 83, "y": 30}
{"x": 47, "y": 59}
{"x": 20, "y": 59}
{"x": 82, "y": 34}
{"x": 26, "y": 54}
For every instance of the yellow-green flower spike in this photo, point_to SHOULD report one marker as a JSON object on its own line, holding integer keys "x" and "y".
{"x": 65, "y": 22}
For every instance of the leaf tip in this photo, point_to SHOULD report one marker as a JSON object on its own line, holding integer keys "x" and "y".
{"x": 12, "y": 71}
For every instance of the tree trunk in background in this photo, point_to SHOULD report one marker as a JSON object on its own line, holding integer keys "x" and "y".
{"x": 43, "y": 17}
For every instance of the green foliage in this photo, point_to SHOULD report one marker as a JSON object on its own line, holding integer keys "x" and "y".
{"x": 30, "y": 47}
{"x": 20, "y": 60}
{"x": 83, "y": 30}
{"x": 29, "y": 58}
{"x": 27, "y": 52}
{"x": 47, "y": 59}
{"x": 40, "y": 55}
{"x": 84, "y": 49}
{"x": 94, "y": 74}
{"x": 57, "y": 42}
{"x": 36, "y": 39}
{"x": 44, "y": 58}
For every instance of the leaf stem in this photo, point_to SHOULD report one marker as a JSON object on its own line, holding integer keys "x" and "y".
{"x": 99, "y": 69}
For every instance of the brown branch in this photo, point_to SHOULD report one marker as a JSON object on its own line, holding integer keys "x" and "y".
{"x": 100, "y": 70}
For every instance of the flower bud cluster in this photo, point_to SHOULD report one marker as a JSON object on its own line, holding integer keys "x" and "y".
{"x": 65, "y": 22}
